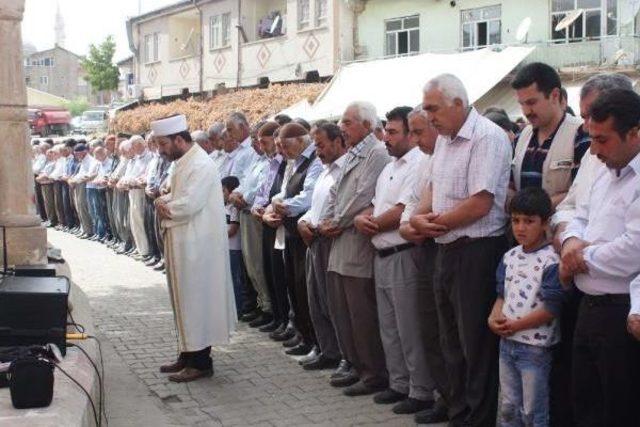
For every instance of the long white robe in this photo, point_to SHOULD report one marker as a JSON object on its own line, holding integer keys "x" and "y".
{"x": 197, "y": 254}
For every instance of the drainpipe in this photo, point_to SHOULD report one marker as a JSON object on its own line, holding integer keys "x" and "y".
{"x": 239, "y": 44}
{"x": 357, "y": 7}
{"x": 200, "y": 48}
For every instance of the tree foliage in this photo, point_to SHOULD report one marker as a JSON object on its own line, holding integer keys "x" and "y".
{"x": 102, "y": 74}
{"x": 78, "y": 106}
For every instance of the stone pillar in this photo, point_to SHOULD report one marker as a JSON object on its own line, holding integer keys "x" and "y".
{"x": 26, "y": 239}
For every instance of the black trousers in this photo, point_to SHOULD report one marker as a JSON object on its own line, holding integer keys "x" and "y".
{"x": 59, "y": 202}
{"x": 111, "y": 226}
{"x": 200, "y": 359}
{"x": 40, "y": 200}
{"x": 561, "y": 406}
{"x": 606, "y": 364}
{"x": 465, "y": 290}
{"x": 275, "y": 275}
{"x": 295, "y": 255}
{"x": 149, "y": 226}
{"x": 67, "y": 204}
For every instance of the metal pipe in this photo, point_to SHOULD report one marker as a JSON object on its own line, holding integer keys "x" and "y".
{"x": 239, "y": 26}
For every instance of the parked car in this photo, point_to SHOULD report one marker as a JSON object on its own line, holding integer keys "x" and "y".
{"x": 94, "y": 121}
{"x": 47, "y": 120}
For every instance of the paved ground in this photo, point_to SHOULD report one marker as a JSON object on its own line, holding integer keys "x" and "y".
{"x": 255, "y": 383}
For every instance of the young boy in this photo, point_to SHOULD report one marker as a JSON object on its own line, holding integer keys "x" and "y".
{"x": 229, "y": 184}
{"x": 525, "y": 312}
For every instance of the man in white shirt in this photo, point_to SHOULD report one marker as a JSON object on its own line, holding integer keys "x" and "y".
{"x": 330, "y": 148}
{"x": 136, "y": 181}
{"x": 119, "y": 177}
{"x": 99, "y": 183}
{"x": 79, "y": 183}
{"x": 215, "y": 139}
{"x": 463, "y": 209}
{"x": 399, "y": 280}
{"x": 251, "y": 235}
{"x": 237, "y": 161}
{"x": 600, "y": 253}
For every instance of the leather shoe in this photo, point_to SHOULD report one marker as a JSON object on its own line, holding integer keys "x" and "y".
{"x": 270, "y": 327}
{"x": 362, "y": 389}
{"x": 285, "y": 335}
{"x": 174, "y": 367}
{"x": 345, "y": 381}
{"x": 344, "y": 368}
{"x": 279, "y": 330}
{"x": 263, "y": 320}
{"x": 250, "y": 317}
{"x": 299, "y": 350}
{"x": 312, "y": 355}
{"x": 389, "y": 396}
{"x": 322, "y": 362}
{"x": 151, "y": 261}
{"x": 292, "y": 342}
{"x": 411, "y": 406}
{"x": 190, "y": 374}
{"x": 437, "y": 414}
{"x": 159, "y": 266}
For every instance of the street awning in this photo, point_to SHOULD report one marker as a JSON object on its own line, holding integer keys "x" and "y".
{"x": 38, "y": 97}
{"x": 389, "y": 83}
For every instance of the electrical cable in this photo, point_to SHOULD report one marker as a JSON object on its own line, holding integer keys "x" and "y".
{"x": 104, "y": 379}
{"x": 93, "y": 406}
{"x": 100, "y": 383}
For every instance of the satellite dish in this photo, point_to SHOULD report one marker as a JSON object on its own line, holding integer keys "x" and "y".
{"x": 523, "y": 30}
{"x": 569, "y": 19}
{"x": 618, "y": 56}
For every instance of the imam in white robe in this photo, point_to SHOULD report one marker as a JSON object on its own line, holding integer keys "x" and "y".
{"x": 197, "y": 254}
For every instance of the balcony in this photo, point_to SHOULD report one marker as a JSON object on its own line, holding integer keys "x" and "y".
{"x": 605, "y": 52}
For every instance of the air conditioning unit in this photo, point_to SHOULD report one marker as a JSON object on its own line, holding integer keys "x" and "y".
{"x": 134, "y": 91}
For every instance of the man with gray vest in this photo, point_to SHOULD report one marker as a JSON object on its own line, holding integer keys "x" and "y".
{"x": 549, "y": 149}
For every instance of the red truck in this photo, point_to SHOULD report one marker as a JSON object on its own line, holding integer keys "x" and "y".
{"x": 47, "y": 120}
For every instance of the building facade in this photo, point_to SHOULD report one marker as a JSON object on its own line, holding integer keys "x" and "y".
{"x": 193, "y": 47}
{"x": 57, "y": 71}
{"x": 603, "y": 32}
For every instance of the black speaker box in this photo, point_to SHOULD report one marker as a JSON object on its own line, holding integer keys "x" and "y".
{"x": 33, "y": 310}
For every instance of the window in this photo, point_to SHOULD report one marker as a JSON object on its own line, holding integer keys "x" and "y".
{"x": 151, "y": 48}
{"x": 219, "y": 31}
{"x": 321, "y": 12}
{"x": 598, "y": 18}
{"x": 47, "y": 62}
{"x": 44, "y": 80}
{"x": 402, "y": 35}
{"x": 303, "y": 14}
{"x": 481, "y": 27}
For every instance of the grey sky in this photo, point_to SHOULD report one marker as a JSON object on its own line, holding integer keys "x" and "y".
{"x": 86, "y": 21}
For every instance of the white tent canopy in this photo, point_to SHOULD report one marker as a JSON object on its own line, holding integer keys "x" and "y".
{"x": 389, "y": 83}
{"x": 300, "y": 109}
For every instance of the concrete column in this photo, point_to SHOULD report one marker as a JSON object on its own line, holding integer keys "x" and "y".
{"x": 26, "y": 239}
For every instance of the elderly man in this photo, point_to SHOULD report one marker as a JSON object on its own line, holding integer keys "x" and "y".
{"x": 136, "y": 181}
{"x": 293, "y": 200}
{"x": 463, "y": 209}
{"x": 92, "y": 192}
{"x": 57, "y": 175}
{"x": 330, "y": 149}
{"x": 272, "y": 258}
{"x": 600, "y": 252}
{"x": 47, "y": 187}
{"x": 549, "y": 150}
{"x": 351, "y": 290}
{"x": 251, "y": 236}
{"x": 425, "y": 135}
{"x": 79, "y": 184}
{"x": 215, "y": 139}
{"x": 37, "y": 165}
{"x": 239, "y": 154}
{"x": 121, "y": 198}
{"x": 99, "y": 183}
{"x": 197, "y": 252}
{"x": 110, "y": 145}
{"x": 400, "y": 282}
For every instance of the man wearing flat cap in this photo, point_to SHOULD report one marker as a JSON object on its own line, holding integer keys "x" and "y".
{"x": 293, "y": 200}
{"x": 196, "y": 251}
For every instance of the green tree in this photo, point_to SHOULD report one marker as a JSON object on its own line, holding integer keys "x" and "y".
{"x": 102, "y": 74}
{"x": 78, "y": 106}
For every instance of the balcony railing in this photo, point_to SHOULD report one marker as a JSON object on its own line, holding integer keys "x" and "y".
{"x": 609, "y": 51}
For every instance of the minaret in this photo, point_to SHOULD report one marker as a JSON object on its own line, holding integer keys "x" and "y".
{"x": 59, "y": 27}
